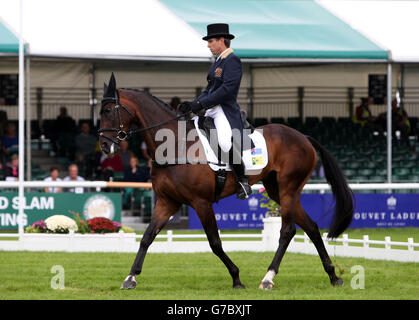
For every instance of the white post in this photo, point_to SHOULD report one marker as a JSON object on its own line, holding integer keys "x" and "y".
{"x": 28, "y": 117}
{"x": 410, "y": 244}
{"x": 325, "y": 240}
{"x": 387, "y": 247}
{"x": 345, "y": 240}
{"x": 366, "y": 245}
{"x": 169, "y": 235}
{"x": 21, "y": 122}
{"x": 389, "y": 129}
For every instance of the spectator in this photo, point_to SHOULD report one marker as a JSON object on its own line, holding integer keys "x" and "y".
{"x": 175, "y": 102}
{"x": 85, "y": 143}
{"x": 3, "y": 121}
{"x": 112, "y": 164}
{"x": 73, "y": 175}
{"x": 10, "y": 142}
{"x": 11, "y": 170}
{"x": 364, "y": 117}
{"x": 53, "y": 177}
{"x": 145, "y": 153}
{"x": 125, "y": 154}
{"x": 135, "y": 173}
{"x": 64, "y": 129}
{"x": 400, "y": 121}
{"x": 2, "y": 156}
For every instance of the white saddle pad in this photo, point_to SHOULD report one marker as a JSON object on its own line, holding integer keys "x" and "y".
{"x": 254, "y": 159}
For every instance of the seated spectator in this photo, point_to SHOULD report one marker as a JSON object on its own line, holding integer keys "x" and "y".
{"x": 73, "y": 175}
{"x": 113, "y": 163}
{"x": 364, "y": 117}
{"x": 135, "y": 173}
{"x": 85, "y": 143}
{"x": 125, "y": 154}
{"x": 400, "y": 121}
{"x": 10, "y": 142}
{"x": 11, "y": 170}
{"x": 53, "y": 177}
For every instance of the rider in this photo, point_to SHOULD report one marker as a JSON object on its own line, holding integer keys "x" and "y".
{"x": 219, "y": 100}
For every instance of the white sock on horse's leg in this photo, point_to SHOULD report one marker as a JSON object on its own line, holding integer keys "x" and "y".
{"x": 269, "y": 277}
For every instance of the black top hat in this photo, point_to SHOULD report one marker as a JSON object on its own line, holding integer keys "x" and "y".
{"x": 218, "y": 30}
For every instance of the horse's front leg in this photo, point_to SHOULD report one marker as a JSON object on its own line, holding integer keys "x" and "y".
{"x": 164, "y": 209}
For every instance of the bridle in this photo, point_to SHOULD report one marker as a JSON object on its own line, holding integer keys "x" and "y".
{"x": 121, "y": 134}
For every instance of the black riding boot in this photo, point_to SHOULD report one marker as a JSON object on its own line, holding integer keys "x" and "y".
{"x": 244, "y": 190}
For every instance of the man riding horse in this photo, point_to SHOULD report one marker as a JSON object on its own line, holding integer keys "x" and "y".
{"x": 219, "y": 101}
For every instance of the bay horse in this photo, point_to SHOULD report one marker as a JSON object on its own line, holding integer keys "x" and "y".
{"x": 292, "y": 158}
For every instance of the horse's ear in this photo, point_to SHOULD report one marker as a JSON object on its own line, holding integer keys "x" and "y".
{"x": 109, "y": 91}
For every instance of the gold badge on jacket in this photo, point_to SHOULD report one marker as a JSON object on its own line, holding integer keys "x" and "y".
{"x": 218, "y": 72}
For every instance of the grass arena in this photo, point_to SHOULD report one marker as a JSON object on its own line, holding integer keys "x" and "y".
{"x": 191, "y": 276}
{"x": 136, "y": 164}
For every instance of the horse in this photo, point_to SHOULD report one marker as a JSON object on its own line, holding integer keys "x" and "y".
{"x": 292, "y": 158}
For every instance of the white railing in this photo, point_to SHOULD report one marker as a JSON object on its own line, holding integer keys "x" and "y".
{"x": 121, "y": 242}
{"x": 148, "y": 185}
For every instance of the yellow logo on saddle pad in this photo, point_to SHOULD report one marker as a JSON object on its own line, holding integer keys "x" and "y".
{"x": 257, "y": 160}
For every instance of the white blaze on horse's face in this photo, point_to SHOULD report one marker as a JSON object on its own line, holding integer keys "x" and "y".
{"x": 112, "y": 148}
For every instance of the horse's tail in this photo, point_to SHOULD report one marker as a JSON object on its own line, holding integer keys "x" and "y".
{"x": 344, "y": 206}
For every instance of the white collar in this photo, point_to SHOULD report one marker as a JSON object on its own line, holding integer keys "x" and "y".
{"x": 221, "y": 54}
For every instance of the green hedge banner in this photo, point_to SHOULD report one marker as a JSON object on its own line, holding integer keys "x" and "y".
{"x": 39, "y": 206}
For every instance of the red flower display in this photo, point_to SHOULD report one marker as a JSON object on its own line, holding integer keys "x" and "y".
{"x": 101, "y": 225}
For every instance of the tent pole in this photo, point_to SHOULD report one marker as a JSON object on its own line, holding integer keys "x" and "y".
{"x": 28, "y": 121}
{"x": 389, "y": 129}
{"x": 21, "y": 123}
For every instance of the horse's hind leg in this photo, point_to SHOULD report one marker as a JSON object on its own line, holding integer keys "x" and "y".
{"x": 310, "y": 227}
{"x": 288, "y": 199}
{"x": 163, "y": 210}
{"x": 206, "y": 215}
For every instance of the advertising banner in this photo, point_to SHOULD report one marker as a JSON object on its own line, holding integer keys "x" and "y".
{"x": 39, "y": 206}
{"x": 371, "y": 211}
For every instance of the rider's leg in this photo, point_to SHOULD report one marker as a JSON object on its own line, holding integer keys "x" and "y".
{"x": 233, "y": 148}
{"x": 222, "y": 125}
{"x": 244, "y": 190}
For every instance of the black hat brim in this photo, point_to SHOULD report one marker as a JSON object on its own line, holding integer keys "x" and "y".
{"x": 219, "y": 35}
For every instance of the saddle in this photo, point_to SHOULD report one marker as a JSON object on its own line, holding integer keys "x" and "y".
{"x": 206, "y": 126}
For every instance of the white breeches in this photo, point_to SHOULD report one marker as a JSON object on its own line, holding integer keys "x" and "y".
{"x": 223, "y": 127}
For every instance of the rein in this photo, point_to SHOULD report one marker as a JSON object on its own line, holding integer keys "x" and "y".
{"x": 122, "y": 134}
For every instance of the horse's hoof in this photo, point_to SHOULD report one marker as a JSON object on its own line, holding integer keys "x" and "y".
{"x": 239, "y": 286}
{"x": 338, "y": 282}
{"x": 129, "y": 283}
{"x": 266, "y": 285}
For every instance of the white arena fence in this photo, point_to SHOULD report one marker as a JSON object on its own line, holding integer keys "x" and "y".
{"x": 267, "y": 241}
{"x": 192, "y": 243}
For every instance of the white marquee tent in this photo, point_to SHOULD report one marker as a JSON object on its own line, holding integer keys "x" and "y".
{"x": 391, "y": 24}
{"x": 125, "y": 29}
